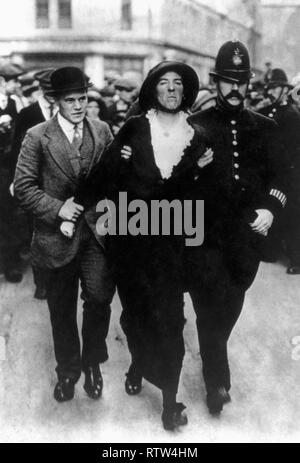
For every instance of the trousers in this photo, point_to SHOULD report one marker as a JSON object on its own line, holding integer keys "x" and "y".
{"x": 91, "y": 268}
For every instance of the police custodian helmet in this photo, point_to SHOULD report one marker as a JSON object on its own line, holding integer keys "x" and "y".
{"x": 278, "y": 78}
{"x": 233, "y": 62}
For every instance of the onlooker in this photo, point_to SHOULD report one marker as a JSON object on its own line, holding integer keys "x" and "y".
{"x": 55, "y": 160}
{"x": 126, "y": 90}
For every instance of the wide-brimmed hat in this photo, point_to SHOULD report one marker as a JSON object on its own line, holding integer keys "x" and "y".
{"x": 278, "y": 78}
{"x": 233, "y": 63}
{"x": 68, "y": 79}
{"x": 189, "y": 77}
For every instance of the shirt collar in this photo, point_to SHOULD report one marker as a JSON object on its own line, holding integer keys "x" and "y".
{"x": 66, "y": 125}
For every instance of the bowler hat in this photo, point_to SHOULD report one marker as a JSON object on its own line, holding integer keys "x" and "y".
{"x": 233, "y": 62}
{"x": 278, "y": 78}
{"x": 189, "y": 77}
{"x": 68, "y": 79}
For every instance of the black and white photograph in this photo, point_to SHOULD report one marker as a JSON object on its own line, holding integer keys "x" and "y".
{"x": 149, "y": 223}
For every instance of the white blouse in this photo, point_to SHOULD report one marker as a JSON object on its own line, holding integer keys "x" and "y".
{"x": 168, "y": 146}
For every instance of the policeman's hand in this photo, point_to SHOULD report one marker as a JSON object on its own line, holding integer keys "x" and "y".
{"x": 206, "y": 158}
{"x": 70, "y": 210}
{"x": 126, "y": 152}
{"x": 11, "y": 189}
{"x": 263, "y": 221}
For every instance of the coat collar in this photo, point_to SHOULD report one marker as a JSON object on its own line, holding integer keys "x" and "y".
{"x": 58, "y": 146}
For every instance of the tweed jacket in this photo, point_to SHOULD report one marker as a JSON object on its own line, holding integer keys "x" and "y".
{"x": 45, "y": 179}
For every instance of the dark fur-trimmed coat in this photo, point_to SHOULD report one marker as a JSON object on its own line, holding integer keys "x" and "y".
{"x": 149, "y": 268}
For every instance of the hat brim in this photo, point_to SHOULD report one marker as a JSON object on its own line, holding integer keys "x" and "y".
{"x": 233, "y": 76}
{"x": 278, "y": 83}
{"x": 189, "y": 77}
{"x": 56, "y": 92}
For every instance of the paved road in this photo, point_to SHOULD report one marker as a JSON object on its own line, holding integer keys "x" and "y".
{"x": 264, "y": 362}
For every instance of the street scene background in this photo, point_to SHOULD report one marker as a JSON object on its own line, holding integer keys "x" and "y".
{"x": 119, "y": 41}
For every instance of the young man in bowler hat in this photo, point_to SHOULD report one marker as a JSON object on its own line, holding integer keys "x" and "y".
{"x": 243, "y": 192}
{"x": 56, "y": 158}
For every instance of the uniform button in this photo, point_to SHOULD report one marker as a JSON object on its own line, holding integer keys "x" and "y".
{"x": 234, "y": 132}
{"x": 235, "y": 154}
{"x": 271, "y": 115}
{"x": 234, "y": 142}
{"x": 233, "y": 122}
{"x": 237, "y": 177}
{"x": 236, "y": 166}
{"x": 274, "y": 110}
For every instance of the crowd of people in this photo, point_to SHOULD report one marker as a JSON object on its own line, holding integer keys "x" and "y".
{"x": 233, "y": 145}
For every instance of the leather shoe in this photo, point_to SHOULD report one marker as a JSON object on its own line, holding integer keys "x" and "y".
{"x": 215, "y": 400}
{"x": 173, "y": 417}
{"x": 64, "y": 390}
{"x": 293, "y": 270}
{"x": 93, "y": 384}
{"x": 13, "y": 275}
{"x": 133, "y": 383}
{"x": 40, "y": 293}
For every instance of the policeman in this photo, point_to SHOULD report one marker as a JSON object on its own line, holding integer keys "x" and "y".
{"x": 242, "y": 193}
{"x": 287, "y": 117}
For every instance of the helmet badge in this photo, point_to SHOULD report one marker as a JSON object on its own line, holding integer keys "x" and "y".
{"x": 237, "y": 57}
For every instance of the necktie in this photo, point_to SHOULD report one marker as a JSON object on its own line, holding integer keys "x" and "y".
{"x": 76, "y": 142}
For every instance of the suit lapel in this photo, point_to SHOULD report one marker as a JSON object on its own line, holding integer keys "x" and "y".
{"x": 58, "y": 146}
{"x": 97, "y": 145}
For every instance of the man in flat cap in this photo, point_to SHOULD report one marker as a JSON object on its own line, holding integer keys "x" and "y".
{"x": 41, "y": 110}
{"x": 55, "y": 161}
{"x": 11, "y": 238}
{"x": 243, "y": 192}
{"x": 126, "y": 91}
{"x": 287, "y": 116}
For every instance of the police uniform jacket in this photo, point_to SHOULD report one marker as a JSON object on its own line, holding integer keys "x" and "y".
{"x": 245, "y": 175}
{"x": 246, "y": 172}
{"x": 288, "y": 118}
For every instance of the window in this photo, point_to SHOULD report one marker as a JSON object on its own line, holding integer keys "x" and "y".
{"x": 64, "y": 14}
{"x": 126, "y": 15}
{"x": 42, "y": 14}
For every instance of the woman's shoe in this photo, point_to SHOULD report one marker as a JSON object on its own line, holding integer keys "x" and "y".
{"x": 172, "y": 418}
{"x": 215, "y": 400}
{"x": 133, "y": 383}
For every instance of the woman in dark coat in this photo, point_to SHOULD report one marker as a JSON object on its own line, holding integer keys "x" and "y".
{"x": 163, "y": 162}
{"x": 165, "y": 150}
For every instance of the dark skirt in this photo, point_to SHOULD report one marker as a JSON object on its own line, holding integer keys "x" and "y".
{"x": 149, "y": 281}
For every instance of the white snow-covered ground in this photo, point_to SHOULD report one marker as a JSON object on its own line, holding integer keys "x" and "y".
{"x": 265, "y": 366}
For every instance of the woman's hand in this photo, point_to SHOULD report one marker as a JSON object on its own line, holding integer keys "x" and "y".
{"x": 126, "y": 152}
{"x": 206, "y": 158}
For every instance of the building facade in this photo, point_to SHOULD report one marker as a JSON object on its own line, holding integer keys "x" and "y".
{"x": 125, "y": 35}
{"x": 281, "y": 29}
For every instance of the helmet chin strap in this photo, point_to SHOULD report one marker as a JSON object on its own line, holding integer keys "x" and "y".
{"x": 224, "y": 104}
{"x": 275, "y": 102}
